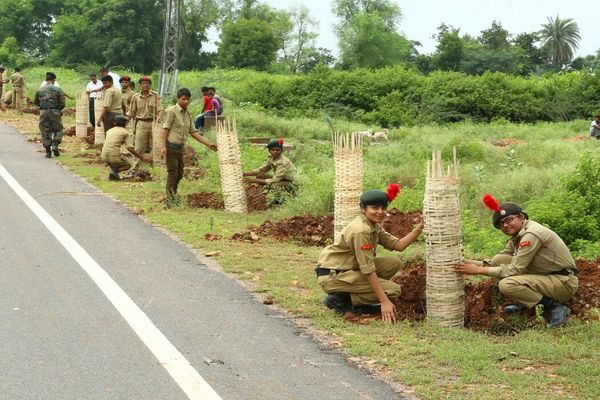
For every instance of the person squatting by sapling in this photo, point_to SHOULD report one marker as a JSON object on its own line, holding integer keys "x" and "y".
{"x": 284, "y": 180}
{"x": 112, "y": 153}
{"x": 350, "y": 272}
{"x": 51, "y": 101}
{"x": 535, "y": 267}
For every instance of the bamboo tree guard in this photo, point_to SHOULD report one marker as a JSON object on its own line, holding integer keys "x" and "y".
{"x": 98, "y": 130}
{"x": 81, "y": 115}
{"x": 157, "y": 143}
{"x": 232, "y": 183}
{"x": 3, "y": 77}
{"x": 444, "y": 246}
{"x": 348, "y": 159}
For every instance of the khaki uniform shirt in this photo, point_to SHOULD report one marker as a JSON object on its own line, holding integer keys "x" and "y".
{"x": 355, "y": 247}
{"x": 283, "y": 170}
{"x": 114, "y": 141}
{"x": 536, "y": 250}
{"x": 17, "y": 80}
{"x": 113, "y": 100}
{"x": 145, "y": 107}
{"x": 179, "y": 123}
{"x": 127, "y": 95}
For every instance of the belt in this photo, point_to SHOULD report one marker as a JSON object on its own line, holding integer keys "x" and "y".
{"x": 58, "y": 109}
{"x": 325, "y": 271}
{"x": 174, "y": 146}
{"x": 566, "y": 272}
{"x": 144, "y": 119}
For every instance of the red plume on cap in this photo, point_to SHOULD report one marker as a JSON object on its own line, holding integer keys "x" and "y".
{"x": 490, "y": 202}
{"x": 392, "y": 191}
{"x": 281, "y": 141}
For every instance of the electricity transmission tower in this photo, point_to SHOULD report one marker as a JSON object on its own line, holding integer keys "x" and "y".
{"x": 169, "y": 60}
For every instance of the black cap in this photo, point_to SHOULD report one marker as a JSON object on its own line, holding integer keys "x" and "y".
{"x": 50, "y": 76}
{"x": 2, "y": 69}
{"x": 275, "y": 143}
{"x": 120, "y": 120}
{"x": 507, "y": 209}
{"x": 374, "y": 197}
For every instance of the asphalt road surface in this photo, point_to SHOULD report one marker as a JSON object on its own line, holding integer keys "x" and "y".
{"x": 97, "y": 304}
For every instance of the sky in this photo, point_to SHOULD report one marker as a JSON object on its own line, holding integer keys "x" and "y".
{"x": 422, "y": 17}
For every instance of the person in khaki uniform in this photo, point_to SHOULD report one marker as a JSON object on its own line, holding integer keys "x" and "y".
{"x": 113, "y": 104}
{"x": 534, "y": 268}
{"x": 126, "y": 92}
{"x": 349, "y": 270}
{"x": 114, "y": 153}
{"x": 18, "y": 83}
{"x": 284, "y": 178}
{"x": 145, "y": 108}
{"x": 3, "y": 86}
{"x": 178, "y": 124}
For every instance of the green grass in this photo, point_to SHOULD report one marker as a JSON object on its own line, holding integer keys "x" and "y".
{"x": 434, "y": 363}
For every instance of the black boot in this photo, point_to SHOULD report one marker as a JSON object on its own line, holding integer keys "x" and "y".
{"x": 514, "y": 308}
{"x": 558, "y": 312}
{"x": 48, "y": 152}
{"x": 339, "y": 302}
{"x": 55, "y": 149}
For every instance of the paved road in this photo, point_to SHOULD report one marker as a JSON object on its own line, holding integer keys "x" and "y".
{"x": 67, "y": 332}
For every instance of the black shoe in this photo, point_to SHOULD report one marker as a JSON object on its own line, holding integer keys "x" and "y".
{"x": 558, "y": 315}
{"x": 113, "y": 176}
{"x": 339, "y": 302}
{"x": 368, "y": 309}
{"x": 514, "y": 308}
{"x": 55, "y": 150}
{"x": 48, "y": 151}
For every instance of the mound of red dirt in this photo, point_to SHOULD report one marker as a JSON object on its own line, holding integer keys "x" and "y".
{"x": 70, "y": 131}
{"x": 91, "y": 135}
{"x": 484, "y": 303}
{"x": 318, "y": 230}
{"x": 255, "y": 199}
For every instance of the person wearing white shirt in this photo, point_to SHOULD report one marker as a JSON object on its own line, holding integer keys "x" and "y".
{"x": 595, "y": 127}
{"x": 116, "y": 77}
{"x": 93, "y": 89}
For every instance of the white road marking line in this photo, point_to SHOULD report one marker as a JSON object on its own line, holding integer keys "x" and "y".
{"x": 188, "y": 379}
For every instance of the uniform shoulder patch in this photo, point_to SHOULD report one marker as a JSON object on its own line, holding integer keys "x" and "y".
{"x": 367, "y": 246}
{"x": 525, "y": 243}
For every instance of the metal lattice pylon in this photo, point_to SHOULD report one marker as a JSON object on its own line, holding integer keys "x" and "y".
{"x": 169, "y": 60}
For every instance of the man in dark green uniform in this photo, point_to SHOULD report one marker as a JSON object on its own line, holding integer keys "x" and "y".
{"x": 51, "y": 100}
{"x": 534, "y": 268}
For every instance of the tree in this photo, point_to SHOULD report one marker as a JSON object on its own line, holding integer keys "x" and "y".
{"x": 10, "y": 54}
{"x": 197, "y": 16}
{"x": 535, "y": 57}
{"x": 299, "y": 42}
{"x": 561, "y": 37}
{"x": 367, "y": 34}
{"x": 450, "y": 49}
{"x": 318, "y": 57}
{"x": 248, "y": 43}
{"x": 495, "y": 38}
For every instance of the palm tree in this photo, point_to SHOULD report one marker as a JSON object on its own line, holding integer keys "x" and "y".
{"x": 561, "y": 36}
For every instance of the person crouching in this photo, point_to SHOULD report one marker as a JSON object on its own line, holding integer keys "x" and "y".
{"x": 113, "y": 153}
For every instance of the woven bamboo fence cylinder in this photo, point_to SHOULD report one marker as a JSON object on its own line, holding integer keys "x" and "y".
{"x": 3, "y": 77}
{"x": 230, "y": 162}
{"x": 81, "y": 115}
{"x": 98, "y": 130}
{"x": 348, "y": 160}
{"x": 157, "y": 144}
{"x": 443, "y": 243}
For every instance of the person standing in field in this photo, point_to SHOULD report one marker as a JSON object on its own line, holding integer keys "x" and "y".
{"x": 126, "y": 91}
{"x": 178, "y": 124}
{"x": 18, "y": 83}
{"x": 349, "y": 271}
{"x": 93, "y": 90}
{"x": 51, "y": 100}
{"x": 595, "y": 127}
{"x": 146, "y": 107}
{"x": 535, "y": 267}
{"x": 3, "y": 86}
{"x": 113, "y": 104}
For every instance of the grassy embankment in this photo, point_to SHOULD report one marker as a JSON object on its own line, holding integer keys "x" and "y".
{"x": 432, "y": 363}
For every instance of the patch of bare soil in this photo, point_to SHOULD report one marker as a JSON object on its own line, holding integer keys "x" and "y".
{"x": 255, "y": 198}
{"x": 484, "y": 303}
{"x": 314, "y": 230}
{"x": 140, "y": 176}
{"x": 70, "y": 131}
{"x": 90, "y": 158}
{"x": 504, "y": 142}
{"x": 91, "y": 136}
{"x": 578, "y": 138}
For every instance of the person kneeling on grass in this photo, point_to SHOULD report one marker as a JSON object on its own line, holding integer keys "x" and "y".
{"x": 112, "y": 150}
{"x": 349, "y": 271}
{"x": 535, "y": 267}
{"x": 283, "y": 183}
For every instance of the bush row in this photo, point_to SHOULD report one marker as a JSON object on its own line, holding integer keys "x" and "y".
{"x": 395, "y": 96}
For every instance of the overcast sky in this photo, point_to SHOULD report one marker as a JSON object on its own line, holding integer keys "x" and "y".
{"x": 422, "y": 17}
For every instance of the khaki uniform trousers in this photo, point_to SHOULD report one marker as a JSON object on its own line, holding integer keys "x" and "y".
{"x": 17, "y": 97}
{"x": 529, "y": 289}
{"x": 118, "y": 161}
{"x": 143, "y": 136}
{"x": 356, "y": 283}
